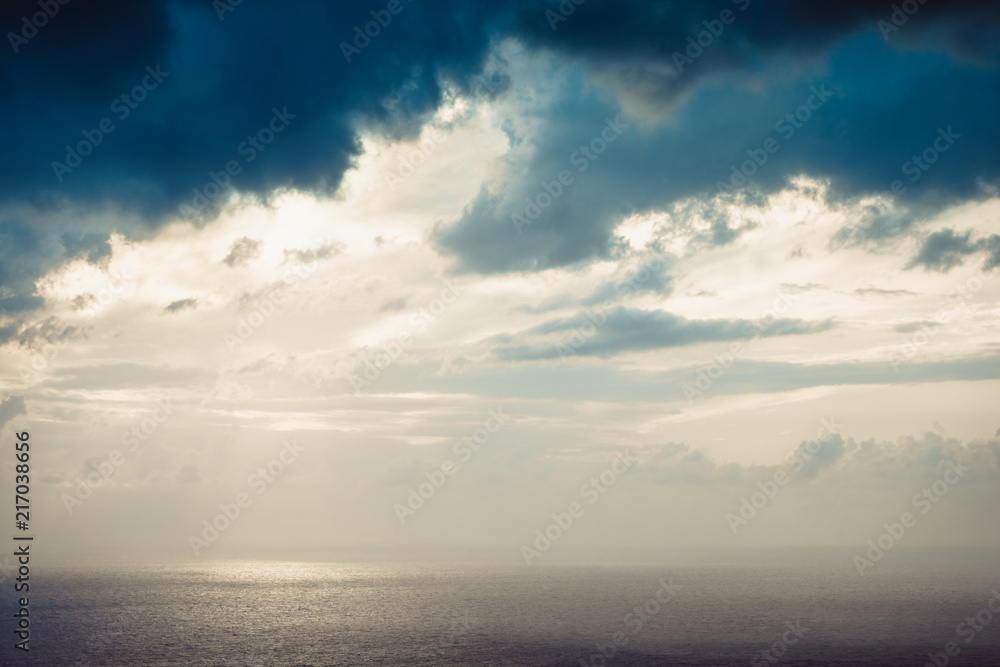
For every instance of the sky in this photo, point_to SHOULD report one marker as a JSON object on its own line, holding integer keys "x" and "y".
{"x": 448, "y": 274}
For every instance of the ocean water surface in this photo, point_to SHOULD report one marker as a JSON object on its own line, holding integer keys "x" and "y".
{"x": 802, "y": 608}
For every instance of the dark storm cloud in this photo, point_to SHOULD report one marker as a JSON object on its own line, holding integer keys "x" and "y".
{"x": 196, "y": 90}
{"x": 185, "y": 95}
{"x": 216, "y": 83}
{"x": 881, "y": 107}
{"x": 883, "y": 112}
{"x": 628, "y": 330}
{"x": 655, "y": 30}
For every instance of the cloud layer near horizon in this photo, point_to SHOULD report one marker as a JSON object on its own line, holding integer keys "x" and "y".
{"x": 621, "y": 236}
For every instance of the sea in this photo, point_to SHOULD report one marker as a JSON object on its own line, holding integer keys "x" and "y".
{"x": 791, "y": 607}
